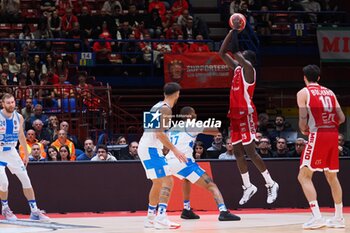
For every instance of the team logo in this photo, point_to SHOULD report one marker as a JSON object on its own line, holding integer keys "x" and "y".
{"x": 151, "y": 120}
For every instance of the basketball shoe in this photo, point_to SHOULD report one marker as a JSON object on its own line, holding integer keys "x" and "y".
{"x": 272, "y": 192}
{"x": 248, "y": 193}
{"x": 8, "y": 214}
{"x": 39, "y": 216}
{"x": 189, "y": 214}
{"x": 162, "y": 222}
{"x": 227, "y": 216}
{"x": 314, "y": 223}
{"x": 149, "y": 222}
{"x": 335, "y": 222}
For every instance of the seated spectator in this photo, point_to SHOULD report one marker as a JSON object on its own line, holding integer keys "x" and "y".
{"x": 109, "y": 5}
{"x": 229, "y": 150}
{"x": 131, "y": 154}
{"x": 158, "y": 5}
{"x": 78, "y": 6}
{"x": 78, "y": 34}
{"x": 42, "y": 134}
{"x": 199, "y": 151}
{"x": 281, "y": 148}
{"x": 180, "y": 47}
{"x": 62, "y": 5}
{"x": 28, "y": 110}
{"x": 153, "y": 24}
{"x": 343, "y": 150}
{"x": 65, "y": 126}
{"x": 102, "y": 49}
{"x": 68, "y": 21}
{"x": 217, "y": 147}
{"x": 173, "y": 32}
{"x": 86, "y": 21}
{"x": 161, "y": 48}
{"x": 37, "y": 65}
{"x": 198, "y": 47}
{"x": 280, "y": 126}
{"x": 258, "y": 136}
{"x": 299, "y": 147}
{"x": 14, "y": 67}
{"x": 121, "y": 140}
{"x": 63, "y": 140}
{"x": 46, "y": 95}
{"x": 167, "y": 21}
{"x": 64, "y": 93}
{"x": 35, "y": 154}
{"x": 53, "y": 126}
{"x": 4, "y": 85}
{"x": 263, "y": 123}
{"x": 52, "y": 153}
{"x": 31, "y": 140}
{"x": 55, "y": 24}
{"x": 32, "y": 78}
{"x": 47, "y": 7}
{"x": 26, "y": 34}
{"x": 22, "y": 91}
{"x": 102, "y": 154}
{"x": 64, "y": 154}
{"x": 178, "y": 7}
{"x": 183, "y": 18}
{"x": 264, "y": 148}
{"x": 189, "y": 31}
{"x": 38, "y": 114}
{"x": 88, "y": 150}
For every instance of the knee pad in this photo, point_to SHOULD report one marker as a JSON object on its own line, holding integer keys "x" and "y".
{"x": 24, "y": 178}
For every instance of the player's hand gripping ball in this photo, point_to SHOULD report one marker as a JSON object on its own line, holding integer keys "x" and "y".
{"x": 237, "y": 21}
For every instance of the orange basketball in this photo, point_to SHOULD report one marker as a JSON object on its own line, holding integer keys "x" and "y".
{"x": 242, "y": 21}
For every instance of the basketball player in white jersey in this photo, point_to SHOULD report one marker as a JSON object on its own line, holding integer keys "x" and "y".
{"x": 319, "y": 117}
{"x": 183, "y": 139}
{"x": 154, "y": 162}
{"x": 11, "y": 131}
{"x": 243, "y": 116}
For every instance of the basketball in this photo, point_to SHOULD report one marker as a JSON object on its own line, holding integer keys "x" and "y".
{"x": 242, "y": 21}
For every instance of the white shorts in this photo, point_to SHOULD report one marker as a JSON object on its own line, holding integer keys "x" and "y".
{"x": 190, "y": 170}
{"x": 153, "y": 162}
{"x": 12, "y": 160}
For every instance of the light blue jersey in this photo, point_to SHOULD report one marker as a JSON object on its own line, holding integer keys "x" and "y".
{"x": 9, "y": 130}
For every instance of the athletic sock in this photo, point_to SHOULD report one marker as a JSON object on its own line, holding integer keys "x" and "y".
{"x": 5, "y": 204}
{"x": 222, "y": 207}
{"x": 152, "y": 210}
{"x": 315, "y": 209}
{"x": 32, "y": 205}
{"x": 267, "y": 177}
{"x": 338, "y": 210}
{"x": 246, "y": 180}
{"x": 187, "y": 205}
{"x": 162, "y": 209}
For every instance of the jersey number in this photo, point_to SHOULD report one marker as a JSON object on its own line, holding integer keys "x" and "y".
{"x": 327, "y": 103}
{"x": 174, "y": 139}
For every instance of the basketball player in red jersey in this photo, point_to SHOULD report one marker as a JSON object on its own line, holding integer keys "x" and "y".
{"x": 319, "y": 117}
{"x": 243, "y": 116}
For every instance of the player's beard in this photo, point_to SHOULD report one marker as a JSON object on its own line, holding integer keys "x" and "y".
{"x": 9, "y": 109}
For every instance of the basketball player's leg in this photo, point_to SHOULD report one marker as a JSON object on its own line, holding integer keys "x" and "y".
{"x": 187, "y": 212}
{"x": 338, "y": 220}
{"x": 206, "y": 182}
{"x": 5, "y": 210}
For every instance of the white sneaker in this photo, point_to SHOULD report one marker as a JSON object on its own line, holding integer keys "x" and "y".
{"x": 272, "y": 192}
{"x": 314, "y": 223}
{"x": 248, "y": 193}
{"x": 8, "y": 214}
{"x": 335, "y": 222}
{"x": 162, "y": 222}
{"x": 149, "y": 222}
{"x": 39, "y": 216}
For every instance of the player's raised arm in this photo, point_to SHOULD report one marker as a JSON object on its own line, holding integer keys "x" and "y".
{"x": 225, "y": 49}
{"x": 301, "y": 99}
{"x": 163, "y": 138}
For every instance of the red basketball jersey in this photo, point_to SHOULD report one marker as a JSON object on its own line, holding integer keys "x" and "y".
{"x": 321, "y": 104}
{"x": 241, "y": 95}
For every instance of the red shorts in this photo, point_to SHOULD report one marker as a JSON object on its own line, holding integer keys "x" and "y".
{"x": 243, "y": 130}
{"x": 321, "y": 151}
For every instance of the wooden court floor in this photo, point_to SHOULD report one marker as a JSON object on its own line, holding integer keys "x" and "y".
{"x": 259, "y": 221}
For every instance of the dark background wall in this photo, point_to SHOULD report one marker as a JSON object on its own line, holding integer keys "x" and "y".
{"x": 122, "y": 186}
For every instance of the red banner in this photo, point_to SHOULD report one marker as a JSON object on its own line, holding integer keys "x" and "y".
{"x": 197, "y": 70}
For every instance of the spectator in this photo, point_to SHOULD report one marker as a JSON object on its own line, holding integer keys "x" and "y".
{"x": 42, "y": 134}
{"x": 109, "y": 5}
{"x": 311, "y": 6}
{"x": 178, "y": 7}
{"x": 28, "y": 110}
{"x": 189, "y": 31}
{"x": 121, "y": 140}
{"x": 4, "y": 58}
{"x": 68, "y": 21}
{"x": 258, "y": 136}
{"x": 183, "y": 18}
{"x": 88, "y": 150}
{"x": 158, "y": 5}
{"x": 132, "y": 55}
{"x": 102, "y": 49}
{"x": 55, "y": 24}
{"x": 154, "y": 24}
{"x": 4, "y": 86}
{"x": 199, "y": 151}
{"x": 22, "y": 91}
{"x": 53, "y": 126}
{"x": 37, "y": 65}
{"x": 299, "y": 147}
{"x": 229, "y": 150}
{"x": 263, "y": 123}
{"x": 102, "y": 154}
{"x": 198, "y": 47}
{"x": 125, "y": 31}
{"x": 32, "y": 78}
{"x": 65, "y": 126}
{"x": 78, "y": 6}
{"x": 161, "y": 49}
{"x": 167, "y": 21}
{"x": 264, "y": 148}
{"x": 31, "y": 140}
{"x": 131, "y": 154}
{"x": 180, "y": 47}
{"x": 49, "y": 66}
{"x": 64, "y": 154}
{"x": 46, "y": 95}
{"x": 343, "y": 150}
{"x": 10, "y": 9}
{"x": 279, "y": 128}
{"x": 62, "y": 5}
{"x": 47, "y": 7}
{"x": 63, "y": 140}
{"x": 38, "y": 114}
{"x": 77, "y": 34}
{"x": 173, "y": 32}
{"x": 52, "y": 153}
{"x": 281, "y": 148}
{"x": 26, "y": 34}
{"x": 86, "y": 21}
{"x": 61, "y": 68}
{"x": 36, "y": 153}
{"x": 14, "y": 67}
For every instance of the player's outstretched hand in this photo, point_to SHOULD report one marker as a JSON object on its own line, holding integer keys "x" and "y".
{"x": 25, "y": 160}
{"x": 181, "y": 156}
